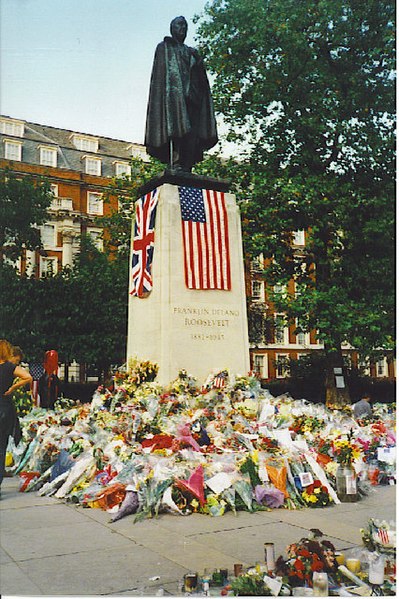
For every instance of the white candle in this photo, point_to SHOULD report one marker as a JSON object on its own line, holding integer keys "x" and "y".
{"x": 269, "y": 556}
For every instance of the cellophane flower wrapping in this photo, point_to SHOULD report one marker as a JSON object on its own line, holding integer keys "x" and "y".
{"x": 148, "y": 437}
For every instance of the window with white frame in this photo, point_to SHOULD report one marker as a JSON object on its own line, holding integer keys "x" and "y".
{"x": 48, "y": 266}
{"x": 94, "y": 203}
{"x": 257, "y": 290}
{"x": 298, "y": 237}
{"x": 302, "y": 338}
{"x": 96, "y": 237}
{"x": 54, "y": 189}
{"x": 282, "y": 365}
{"x": 381, "y": 367}
{"x": 364, "y": 367}
{"x": 280, "y": 329}
{"x": 92, "y": 166}
{"x": 87, "y": 144}
{"x": 48, "y": 156}
{"x": 257, "y": 263}
{"x": 48, "y": 235}
{"x": 10, "y": 127}
{"x": 12, "y": 150}
{"x": 122, "y": 168}
{"x": 260, "y": 365}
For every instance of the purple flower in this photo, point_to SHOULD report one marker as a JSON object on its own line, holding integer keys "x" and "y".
{"x": 269, "y": 496}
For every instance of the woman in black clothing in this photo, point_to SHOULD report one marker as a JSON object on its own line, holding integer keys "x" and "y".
{"x": 8, "y": 415}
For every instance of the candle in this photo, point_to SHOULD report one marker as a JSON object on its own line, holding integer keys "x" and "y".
{"x": 190, "y": 582}
{"x": 353, "y": 565}
{"x": 237, "y": 569}
{"x": 320, "y": 584}
{"x": 340, "y": 558}
{"x": 269, "y": 556}
{"x": 377, "y": 568}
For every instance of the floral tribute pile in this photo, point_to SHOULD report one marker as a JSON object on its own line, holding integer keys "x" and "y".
{"x": 143, "y": 449}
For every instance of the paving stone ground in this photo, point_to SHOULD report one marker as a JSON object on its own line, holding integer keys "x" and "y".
{"x": 51, "y": 548}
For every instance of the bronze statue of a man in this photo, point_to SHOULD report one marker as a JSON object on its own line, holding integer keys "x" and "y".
{"x": 180, "y": 116}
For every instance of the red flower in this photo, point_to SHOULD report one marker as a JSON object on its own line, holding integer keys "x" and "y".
{"x": 299, "y": 565}
{"x": 317, "y": 484}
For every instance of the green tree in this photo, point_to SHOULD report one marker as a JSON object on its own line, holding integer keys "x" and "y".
{"x": 308, "y": 87}
{"x": 23, "y": 207}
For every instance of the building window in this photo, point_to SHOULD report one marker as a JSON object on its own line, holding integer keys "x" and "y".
{"x": 54, "y": 189}
{"x": 48, "y": 235}
{"x": 282, "y": 366}
{"x": 13, "y": 150}
{"x": 94, "y": 203}
{"x": 96, "y": 237}
{"x": 257, "y": 263}
{"x": 298, "y": 237}
{"x": 9, "y": 127}
{"x": 86, "y": 144}
{"x": 257, "y": 291}
{"x": 280, "y": 329}
{"x": 48, "y": 156}
{"x": 302, "y": 338}
{"x": 381, "y": 368}
{"x": 122, "y": 168}
{"x": 48, "y": 266}
{"x": 260, "y": 365}
{"x": 93, "y": 166}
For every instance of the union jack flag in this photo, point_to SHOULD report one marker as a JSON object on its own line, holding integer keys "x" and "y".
{"x": 143, "y": 244}
{"x": 205, "y": 239}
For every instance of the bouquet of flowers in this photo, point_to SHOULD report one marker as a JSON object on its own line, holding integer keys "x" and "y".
{"x": 306, "y": 557}
{"x": 379, "y": 536}
{"x": 306, "y": 424}
{"x": 316, "y": 495}
{"x": 345, "y": 450}
{"x": 256, "y": 583}
{"x": 23, "y": 401}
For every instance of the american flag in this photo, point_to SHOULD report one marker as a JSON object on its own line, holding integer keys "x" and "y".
{"x": 205, "y": 239}
{"x": 143, "y": 244}
{"x": 220, "y": 380}
{"x": 383, "y": 536}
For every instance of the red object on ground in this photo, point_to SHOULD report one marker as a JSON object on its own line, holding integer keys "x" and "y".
{"x": 195, "y": 484}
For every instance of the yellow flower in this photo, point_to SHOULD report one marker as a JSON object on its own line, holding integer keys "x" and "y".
{"x": 317, "y": 491}
{"x": 313, "y": 498}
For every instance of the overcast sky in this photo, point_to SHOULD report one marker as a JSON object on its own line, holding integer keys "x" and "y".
{"x": 84, "y": 65}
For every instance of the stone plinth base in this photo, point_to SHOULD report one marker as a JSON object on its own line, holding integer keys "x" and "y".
{"x": 181, "y": 328}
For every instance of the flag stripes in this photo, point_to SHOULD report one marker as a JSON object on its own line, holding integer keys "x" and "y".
{"x": 205, "y": 239}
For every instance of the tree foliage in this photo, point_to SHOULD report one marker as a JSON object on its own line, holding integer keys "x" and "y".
{"x": 308, "y": 88}
{"x": 23, "y": 207}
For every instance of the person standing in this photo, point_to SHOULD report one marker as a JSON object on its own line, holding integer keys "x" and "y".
{"x": 8, "y": 372}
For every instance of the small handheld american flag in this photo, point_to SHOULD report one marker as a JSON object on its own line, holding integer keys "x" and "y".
{"x": 205, "y": 239}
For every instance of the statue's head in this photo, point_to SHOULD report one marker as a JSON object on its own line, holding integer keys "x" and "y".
{"x": 178, "y": 29}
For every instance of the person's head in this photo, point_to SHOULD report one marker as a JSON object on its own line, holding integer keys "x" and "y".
{"x": 366, "y": 397}
{"x": 5, "y": 350}
{"x": 178, "y": 29}
{"x": 16, "y": 355}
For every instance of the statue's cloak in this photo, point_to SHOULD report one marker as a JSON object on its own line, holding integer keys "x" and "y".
{"x": 179, "y": 97}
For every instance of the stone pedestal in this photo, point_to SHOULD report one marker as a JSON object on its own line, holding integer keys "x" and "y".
{"x": 181, "y": 328}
